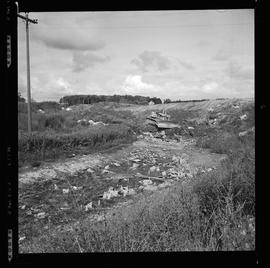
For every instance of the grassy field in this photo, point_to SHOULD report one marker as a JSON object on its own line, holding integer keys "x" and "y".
{"x": 214, "y": 212}
{"x": 56, "y": 133}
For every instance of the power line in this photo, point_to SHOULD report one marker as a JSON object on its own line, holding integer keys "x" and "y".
{"x": 144, "y": 27}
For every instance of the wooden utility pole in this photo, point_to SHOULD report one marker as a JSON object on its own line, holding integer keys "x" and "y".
{"x": 27, "y": 21}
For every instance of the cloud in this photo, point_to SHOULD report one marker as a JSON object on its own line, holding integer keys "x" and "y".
{"x": 67, "y": 39}
{"x": 154, "y": 61}
{"x": 84, "y": 60}
{"x": 133, "y": 84}
{"x": 151, "y": 60}
{"x": 185, "y": 64}
{"x": 237, "y": 71}
{"x": 221, "y": 55}
{"x": 210, "y": 87}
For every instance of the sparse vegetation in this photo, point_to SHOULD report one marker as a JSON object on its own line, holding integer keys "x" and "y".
{"x": 215, "y": 211}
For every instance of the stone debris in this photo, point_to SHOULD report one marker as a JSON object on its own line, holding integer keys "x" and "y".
{"x": 41, "y": 111}
{"x": 41, "y": 215}
{"x": 65, "y": 191}
{"x": 107, "y": 167}
{"x": 23, "y": 207}
{"x": 244, "y": 133}
{"x": 90, "y": 170}
{"x": 88, "y": 206}
{"x": 75, "y": 188}
{"x": 56, "y": 187}
{"x": 243, "y": 117}
{"x": 164, "y": 173}
{"x": 146, "y": 182}
{"x": 126, "y": 191}
{"x": 152, "y": 169}
{"x": 21, "y": 238}
{"x": 110, "y": 193}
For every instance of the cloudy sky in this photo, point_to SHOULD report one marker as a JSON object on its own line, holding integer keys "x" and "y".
{"x": 167, "y": 54}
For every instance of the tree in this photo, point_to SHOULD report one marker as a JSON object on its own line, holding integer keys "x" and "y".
{"x": 167, "y": 101}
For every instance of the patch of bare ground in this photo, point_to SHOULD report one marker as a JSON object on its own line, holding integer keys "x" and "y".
{"x": 57, "y": 195}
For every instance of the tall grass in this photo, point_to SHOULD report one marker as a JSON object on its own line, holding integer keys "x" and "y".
{"x": 40, "y": 146}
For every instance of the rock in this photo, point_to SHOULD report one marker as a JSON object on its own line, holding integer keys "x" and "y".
{"x": 146, "y": 182}
{"x": 152, "y": 169}
{"x": 164, "y": 185}
{"x": 21, "y": 238}
{"x": 75, "y": 188}
{"x": 117, "y": 164}
{"x": 90, "y": 170}
{"x": 243, "y": 133}
{"x": 65, "y": 191}
{"x": 23, "y": 207}
{"x": 243, "y": 117}
{"x": 41, "y": 215}
{"x": 107, "y": 167}
{"x": 88, "y": 206}
{"x": 56, "y": 187}
{"x": 135, "y": 165}
{"x": 164, "y": 173}
{"x": 110, "y": 193}
{"x": 190, "y": 127}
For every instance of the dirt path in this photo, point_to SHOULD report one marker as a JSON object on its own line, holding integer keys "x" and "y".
{"x": 60, "y": 194}
{"x": 195, "y": 158}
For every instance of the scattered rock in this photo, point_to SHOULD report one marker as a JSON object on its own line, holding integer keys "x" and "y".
{"x": 88, "y": 206}
{"x": 56, "y": 187}
{"x": 134, "y": 166}
{"x": 65, "y": 191}
{"x": 146, "y": 182}
{"x": 41, "y": 215}
{"x": 107, "y": 167}
{"x": 23, "y": 207}
{"x": 152, "y": 169}
{"x": 110, "y": 193}
{"x": 164, "y": 173}
{"x": 90, "y": 170}
{"x": 21, "y": 238}
{"x": 243, "y": 117}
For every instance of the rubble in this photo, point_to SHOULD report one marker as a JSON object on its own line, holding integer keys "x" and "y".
{"x": 41, "y": 215}
{"x": 88, "y": 206}
{"x": 65, "y": 191}
{"x": 110, "y": 193}
{"x": 243, "y": 117}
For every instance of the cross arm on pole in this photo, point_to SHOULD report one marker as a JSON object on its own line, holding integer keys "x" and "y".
{"x": 27, "y": 19}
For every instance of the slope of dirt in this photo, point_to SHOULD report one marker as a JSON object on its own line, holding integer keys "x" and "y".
{"x": 62, "y": 193}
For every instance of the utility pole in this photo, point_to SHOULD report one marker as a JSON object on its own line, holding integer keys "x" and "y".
{"x": 27, "y": 21}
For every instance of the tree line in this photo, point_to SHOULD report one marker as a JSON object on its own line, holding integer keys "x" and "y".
{"x": 90, "y": 99}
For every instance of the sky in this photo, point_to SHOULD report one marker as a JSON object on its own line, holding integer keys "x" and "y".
{"x": 179, "y": 54}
